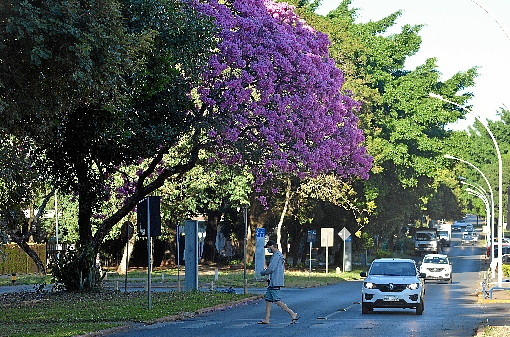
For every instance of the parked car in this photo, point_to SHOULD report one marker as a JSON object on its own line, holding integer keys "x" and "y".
{"x": 436, "y": 267}
{"x": 392, "y": 283}
{"x": 467, "y": 239}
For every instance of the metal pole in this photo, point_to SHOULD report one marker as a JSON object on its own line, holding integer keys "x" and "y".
{"x": 127, "y": 261}
{"x": 500, "y": 205}
{"x": 490, "y": 190}
{"x": 343, "y": 259}
{"x": 310, "y": 260}
{"x": 327, "y": 250}
{"x": 178, "y": 260}
{"x": 149, "y": 249}
{"x": 56, "y": 219}
{"x": 245, "y": 216}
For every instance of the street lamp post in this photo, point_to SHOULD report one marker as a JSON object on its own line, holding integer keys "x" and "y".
{"x": 500, "y": 186}
{"x": 480, "y": 192}
{"x": 485, "y": 200}
{"x": 492, "y": 198}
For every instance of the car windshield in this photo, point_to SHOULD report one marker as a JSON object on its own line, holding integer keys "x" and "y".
{"x": 393, "y": 268}
{"x": 436, "y": 260}
{"x": 425, "y": 236}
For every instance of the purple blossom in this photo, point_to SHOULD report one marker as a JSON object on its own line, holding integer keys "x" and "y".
{"x": 277, "y": 92}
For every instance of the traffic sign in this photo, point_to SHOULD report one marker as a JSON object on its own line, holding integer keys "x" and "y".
{"x": 344, "y": 234}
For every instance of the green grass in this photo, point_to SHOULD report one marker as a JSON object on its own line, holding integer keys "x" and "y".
{"x": 70, "y": 314}
{"x": 23, "y": 279}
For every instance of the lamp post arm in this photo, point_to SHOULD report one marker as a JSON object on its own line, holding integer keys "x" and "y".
{"x": 493, "y": 17}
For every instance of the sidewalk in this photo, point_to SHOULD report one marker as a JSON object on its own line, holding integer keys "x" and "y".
{"x": 499, "y": 295}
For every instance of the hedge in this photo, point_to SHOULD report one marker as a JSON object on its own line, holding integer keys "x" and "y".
{"x": 14, "y": 260}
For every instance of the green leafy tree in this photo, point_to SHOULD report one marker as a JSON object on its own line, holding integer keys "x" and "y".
{"x": 97, "y": 85}
{"x": 406, "y": 131}
{"x": 481, "y": 152}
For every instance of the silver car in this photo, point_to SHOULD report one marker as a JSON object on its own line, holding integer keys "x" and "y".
{"x": 392, "y": 283}
{"x": 467, "y": 239}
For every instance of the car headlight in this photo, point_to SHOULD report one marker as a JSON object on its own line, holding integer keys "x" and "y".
{"x": 369, "y": 285}
{"x": 413, "y": 286}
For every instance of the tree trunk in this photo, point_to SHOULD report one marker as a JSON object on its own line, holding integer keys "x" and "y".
{"x": 30, "y": 252}
{"x": 210, "y": 252}
{"x": 84, "y": 216}
{"x": 252, "y": 228}
{"x": 282, "y": 217}
{"x": 296, "y": 237}
{"x": 121, "y": 269}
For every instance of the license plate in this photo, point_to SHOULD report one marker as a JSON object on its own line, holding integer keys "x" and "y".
{"x": 391, "y": 298}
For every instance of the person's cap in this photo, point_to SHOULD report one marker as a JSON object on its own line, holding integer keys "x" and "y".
{"x": 270, "y": 243}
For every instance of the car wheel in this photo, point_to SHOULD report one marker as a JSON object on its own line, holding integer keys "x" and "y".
{"x": 450, "y": 280}
{"x": 365, "y": 309}
{"x": 420, "y": 308}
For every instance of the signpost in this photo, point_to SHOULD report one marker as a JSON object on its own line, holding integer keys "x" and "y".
{"x": 149, "y": 224}
{"x": 345, "y": 235}
{"x": 191, "y": 255}
{"x": 327, "y": 241}
{"x": 312, "y": 235}
{"x": 260, "y": 241}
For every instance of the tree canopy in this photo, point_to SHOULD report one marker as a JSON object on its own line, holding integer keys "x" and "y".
{"x": 103, "y": 85}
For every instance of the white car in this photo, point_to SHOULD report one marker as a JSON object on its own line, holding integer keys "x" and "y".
{"x": 467, "y": 239}
{"x": 436, "y": 267}
{"x": 392, "y": 283}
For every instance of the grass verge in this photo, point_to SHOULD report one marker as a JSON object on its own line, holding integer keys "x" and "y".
{"x": 77, "y": 313}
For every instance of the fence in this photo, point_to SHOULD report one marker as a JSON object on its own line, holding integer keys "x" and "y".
{"x": 14, "y": 260}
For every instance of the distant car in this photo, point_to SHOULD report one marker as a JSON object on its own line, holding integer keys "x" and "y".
{"x": 392, "y": 283}
{"x": 469, "y": 228}
{"x": 436, "y": 267}
{"x": 467, "y": 239}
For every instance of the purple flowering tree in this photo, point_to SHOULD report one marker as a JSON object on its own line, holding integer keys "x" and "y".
{"x": 271, "y": 99}
{"x": 268, "y": 97}
{"x": 278, "y": 95}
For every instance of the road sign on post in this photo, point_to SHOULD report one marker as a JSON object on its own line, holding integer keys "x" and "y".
{"x": 327, "y": 237}
{"x": 260, "y": 241}
{"x": 191, "y": 255}
{"x": 312, "y": 235}
{"x": 327, "y": 241}
{"x": 346, "y": 236}
{"x": 148, "y": 216}
{"x": 149, "y": 224}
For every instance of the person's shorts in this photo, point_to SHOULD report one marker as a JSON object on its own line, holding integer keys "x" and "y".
{"x": 272, "y": 294}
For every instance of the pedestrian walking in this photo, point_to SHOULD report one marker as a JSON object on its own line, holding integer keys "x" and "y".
{"x": 443, "y": 244}
{"x": 275, "y": 273}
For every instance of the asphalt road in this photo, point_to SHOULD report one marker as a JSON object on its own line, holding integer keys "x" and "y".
{"x": 450, "y": 310}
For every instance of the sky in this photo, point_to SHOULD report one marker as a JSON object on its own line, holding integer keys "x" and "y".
{"x": 460, "y": 34}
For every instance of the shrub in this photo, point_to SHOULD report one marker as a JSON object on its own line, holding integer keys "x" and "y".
{"x": 380, "y": 253}
{"x": 76, "y": 269}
